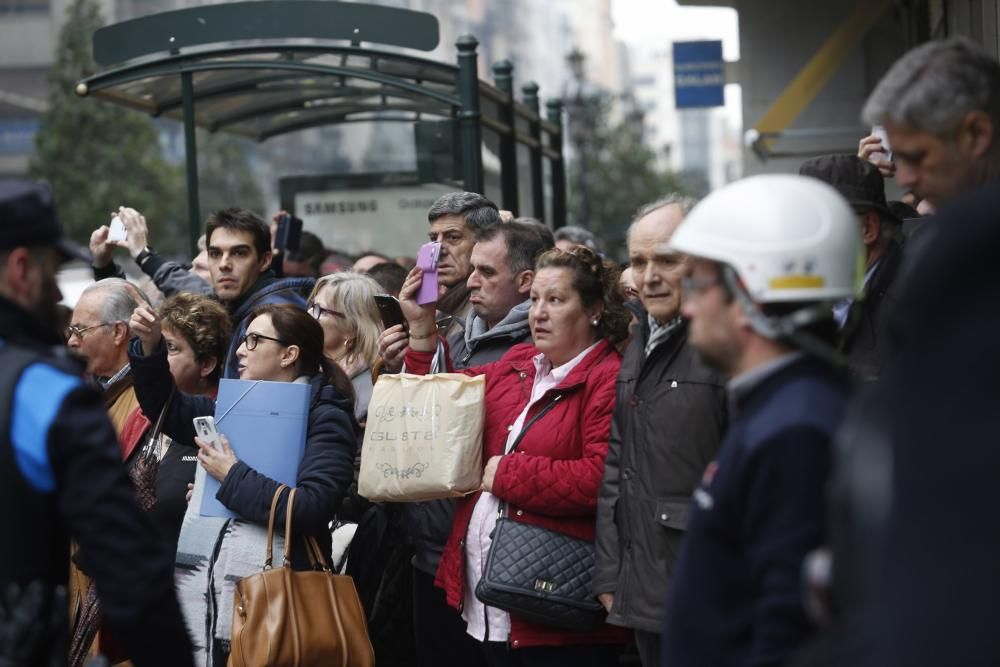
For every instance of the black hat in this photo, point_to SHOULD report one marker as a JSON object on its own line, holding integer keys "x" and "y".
{"x": 28, "y": 218}
{"x": 859, "y": 181}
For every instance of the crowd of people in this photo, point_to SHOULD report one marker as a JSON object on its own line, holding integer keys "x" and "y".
{"x": 752, "y": 421}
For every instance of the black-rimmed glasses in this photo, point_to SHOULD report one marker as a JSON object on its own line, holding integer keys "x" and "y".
{"x": 78, "y": 331}
{"x": 318, "y": 311}
{"x": 251, "y": 340}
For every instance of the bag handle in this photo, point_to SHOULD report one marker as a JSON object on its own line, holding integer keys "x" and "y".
{"x": 270, "y": 526}
{"x": 288, "y": 528}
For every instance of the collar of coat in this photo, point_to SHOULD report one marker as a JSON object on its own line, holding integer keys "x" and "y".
{"x": 524, "y": 365}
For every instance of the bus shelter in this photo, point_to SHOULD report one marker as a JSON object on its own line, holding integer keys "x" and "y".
{"x": 265, "y": 68}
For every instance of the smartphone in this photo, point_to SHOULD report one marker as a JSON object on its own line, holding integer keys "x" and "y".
{"x": 289, "y": 233}
{"x": 117, "y": 231}
{"x": 427, "y": 260}
{"x": 204, "y": 428}
{"x": 388, "y": 307}
{"x": 879, "y": 131}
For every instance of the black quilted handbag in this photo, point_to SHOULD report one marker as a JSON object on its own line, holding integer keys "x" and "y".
{"x": 541, "y": 576}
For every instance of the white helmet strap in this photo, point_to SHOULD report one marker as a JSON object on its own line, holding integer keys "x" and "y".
{"x": 790, "y": 327}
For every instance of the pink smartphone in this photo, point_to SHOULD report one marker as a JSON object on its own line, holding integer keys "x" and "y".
{"x": 427, "y": 260}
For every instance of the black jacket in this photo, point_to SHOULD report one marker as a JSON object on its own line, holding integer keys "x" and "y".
{"x": 760, "y": 508}
{"x": 327, "y": 467}
{"x": 865, "y": 339}
{"x": 668, "y": 422}
{"x": 61, "y": 476}
{"x": 917, "y": 466}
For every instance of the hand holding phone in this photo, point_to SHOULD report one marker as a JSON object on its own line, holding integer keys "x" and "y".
{"x": 390, "y": 310}
{"x": 427, "y": 262}
{"x": 879, "y": 131}
{"x": 116, "y": 230}
{"x": 204, "y": 428}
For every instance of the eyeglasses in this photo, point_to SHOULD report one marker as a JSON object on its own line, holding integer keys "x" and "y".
{"x": 319, "y": 311}
{"x": 692, "y": 286}
{"x": 78, "y": 331}
{"x": 251, "y": 340}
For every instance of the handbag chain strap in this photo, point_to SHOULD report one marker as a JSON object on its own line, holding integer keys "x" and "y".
{"x": 524, "y": 429}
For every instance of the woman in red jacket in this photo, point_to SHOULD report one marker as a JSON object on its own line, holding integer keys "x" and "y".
{"x": 548, "y": 416}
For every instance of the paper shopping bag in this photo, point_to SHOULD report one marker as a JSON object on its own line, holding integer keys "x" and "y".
{"x": 424, "y": 437}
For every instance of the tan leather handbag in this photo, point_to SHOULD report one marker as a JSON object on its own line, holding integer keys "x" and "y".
{"x": 288, "y": 618}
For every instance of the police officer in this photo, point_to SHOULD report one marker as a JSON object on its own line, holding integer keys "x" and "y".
{"x": 771, "y": 255}
{"x": 60, "y": 470}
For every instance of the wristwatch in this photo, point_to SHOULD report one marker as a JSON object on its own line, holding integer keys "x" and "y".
{"x": 144, "y": 255}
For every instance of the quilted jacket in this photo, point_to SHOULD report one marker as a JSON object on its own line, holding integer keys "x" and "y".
{"x": 553, "y": 477}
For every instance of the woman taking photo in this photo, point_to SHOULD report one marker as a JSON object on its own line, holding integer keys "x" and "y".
{"x": 282, "y": 344}
{"x": 344, "y": 304}
{"x": 545, "y": 438}
{"x": 196, "y": 332}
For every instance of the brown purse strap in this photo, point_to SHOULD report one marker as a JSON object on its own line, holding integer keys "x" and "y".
{"x": 316, "y": 559}
{"x": 270, "y": 526}
{"x": 288, "y": 528}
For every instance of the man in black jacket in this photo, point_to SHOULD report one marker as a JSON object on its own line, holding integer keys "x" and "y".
{"x": 60, "y": 471}
{"x": 919, "y": 447}
{"x": 668, "y": 422}
{"x": 864, "y": 322}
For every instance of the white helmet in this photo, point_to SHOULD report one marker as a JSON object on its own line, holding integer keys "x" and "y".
{"x": 788, "y": 238}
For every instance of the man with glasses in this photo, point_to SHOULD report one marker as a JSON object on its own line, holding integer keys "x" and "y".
{"x": 99, "y": 334}
{"x": 60, "y": 469}
{"x": 770, "y": 256}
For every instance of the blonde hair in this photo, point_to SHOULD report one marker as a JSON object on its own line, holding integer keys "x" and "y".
{"x": 353, "y": 294}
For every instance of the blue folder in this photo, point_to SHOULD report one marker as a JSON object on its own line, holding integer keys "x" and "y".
{"x": 266, "y": 424}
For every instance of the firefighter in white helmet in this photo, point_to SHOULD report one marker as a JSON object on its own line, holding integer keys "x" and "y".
{"x": 771, "y": 254}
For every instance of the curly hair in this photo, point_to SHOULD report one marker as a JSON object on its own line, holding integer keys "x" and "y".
{"x": 596, "y": 281}
{"x": 204, "y": 323}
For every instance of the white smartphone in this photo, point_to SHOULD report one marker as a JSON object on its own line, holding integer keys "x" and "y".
{"x": 879, "y": 131}
{"x": 204, "y": 428}
{"x": 117, "y": 230}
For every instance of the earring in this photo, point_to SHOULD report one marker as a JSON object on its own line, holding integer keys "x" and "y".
{"x": 594, "y": 322}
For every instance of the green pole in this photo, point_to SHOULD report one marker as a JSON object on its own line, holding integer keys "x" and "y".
{"x": 503, "y": 78}
{"x": 468, "y": 115}
{"x": 555, "y": 109}
{"x": 191, "y": 161}
{"x": 530, "y": 91}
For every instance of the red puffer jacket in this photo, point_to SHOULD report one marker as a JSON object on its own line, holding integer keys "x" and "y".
{"x": 553, "y": 477}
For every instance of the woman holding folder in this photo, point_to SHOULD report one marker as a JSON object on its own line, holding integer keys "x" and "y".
{"x": 282, "y": 344}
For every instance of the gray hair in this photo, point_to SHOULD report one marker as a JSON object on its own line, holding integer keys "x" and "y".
{"x": 478, "y": 211}
{"x": 683, "y": 202}
{"x": 934, "y": 86}
{"x": 118, "y": 299}
{"x": 577, "y": 235}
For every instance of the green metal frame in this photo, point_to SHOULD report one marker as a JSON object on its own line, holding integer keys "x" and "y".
{"x": 281, "y": 84}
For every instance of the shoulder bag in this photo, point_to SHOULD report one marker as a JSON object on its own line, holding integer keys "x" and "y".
{"x": 288, "y": 618}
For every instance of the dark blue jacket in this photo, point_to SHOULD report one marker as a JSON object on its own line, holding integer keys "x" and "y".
{"x": 736, "y": 591}
{"x": 266, "y": 290}
{"x": 327, "y": 467}
{"x": 61, "y": 476}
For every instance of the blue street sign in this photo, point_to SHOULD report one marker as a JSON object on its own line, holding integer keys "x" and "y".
{"x": 699, "y": 74}
{"x": 17, "y": 136}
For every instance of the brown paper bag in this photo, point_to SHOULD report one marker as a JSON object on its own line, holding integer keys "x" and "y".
{"x": 424, "y": 437}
